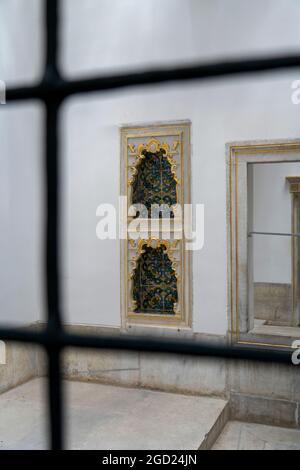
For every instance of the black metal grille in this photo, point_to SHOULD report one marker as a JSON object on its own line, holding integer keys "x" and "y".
{"x": 52, "y": 91}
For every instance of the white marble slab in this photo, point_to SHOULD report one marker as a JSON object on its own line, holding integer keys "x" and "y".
{"x": 108, "y": 417}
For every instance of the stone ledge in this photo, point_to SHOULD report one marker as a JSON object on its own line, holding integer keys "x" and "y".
{"x": 264, "y": 410}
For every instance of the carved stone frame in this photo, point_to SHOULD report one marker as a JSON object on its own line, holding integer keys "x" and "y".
{"x": 174, "y": 137}
{"x": 240, "y": 317}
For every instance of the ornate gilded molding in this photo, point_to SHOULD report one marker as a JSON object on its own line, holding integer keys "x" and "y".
{"x": 167, "y": 146}
{"x": 156, "y": 243}
{"x": 153, "y": 146}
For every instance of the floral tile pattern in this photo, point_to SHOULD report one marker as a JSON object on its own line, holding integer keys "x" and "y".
{"x": 155, "y": 283}
{"x": 154, "y": 182}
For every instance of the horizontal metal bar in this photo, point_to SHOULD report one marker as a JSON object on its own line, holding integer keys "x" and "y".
{"x": 25, "y": 335}
{"x": 62, "y": 88}
{"x": 275, "y": 233}
{"x": 61, "y": 338}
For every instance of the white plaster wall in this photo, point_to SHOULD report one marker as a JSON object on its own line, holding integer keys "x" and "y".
{"x": 112, "y": 34}
{"x": 105, "y": 35}
{"x": 20, "y": 214}
{"x": 21, "y": 40}
{"x": 272, "y": 213}
{"x": 254, "y": 108}
{"x": 21, "y": 282}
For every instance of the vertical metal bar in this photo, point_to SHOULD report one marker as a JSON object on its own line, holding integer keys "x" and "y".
{"x": 52, "y": 233}
{"x": 52, "y": 277}
{"x": 52, "y": 215}
{"x": 55, "y": 415}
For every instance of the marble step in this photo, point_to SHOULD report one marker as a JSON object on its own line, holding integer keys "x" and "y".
{"x": 109, "y": 417}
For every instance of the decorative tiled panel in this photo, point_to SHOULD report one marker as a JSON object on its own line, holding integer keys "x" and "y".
{"x": 154, "y": 181}
{"x": 155, "y": 269}
{"x": 155, "y": 283}
{"x": 154, "y": 170}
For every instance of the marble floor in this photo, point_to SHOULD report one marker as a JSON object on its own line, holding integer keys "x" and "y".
{"x": 108, "y": 417}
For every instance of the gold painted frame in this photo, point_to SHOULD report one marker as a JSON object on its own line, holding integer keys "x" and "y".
{"x": 294, "y": 188}
{"x": 238, "y": 157}
{"x": 180, "y": 131}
